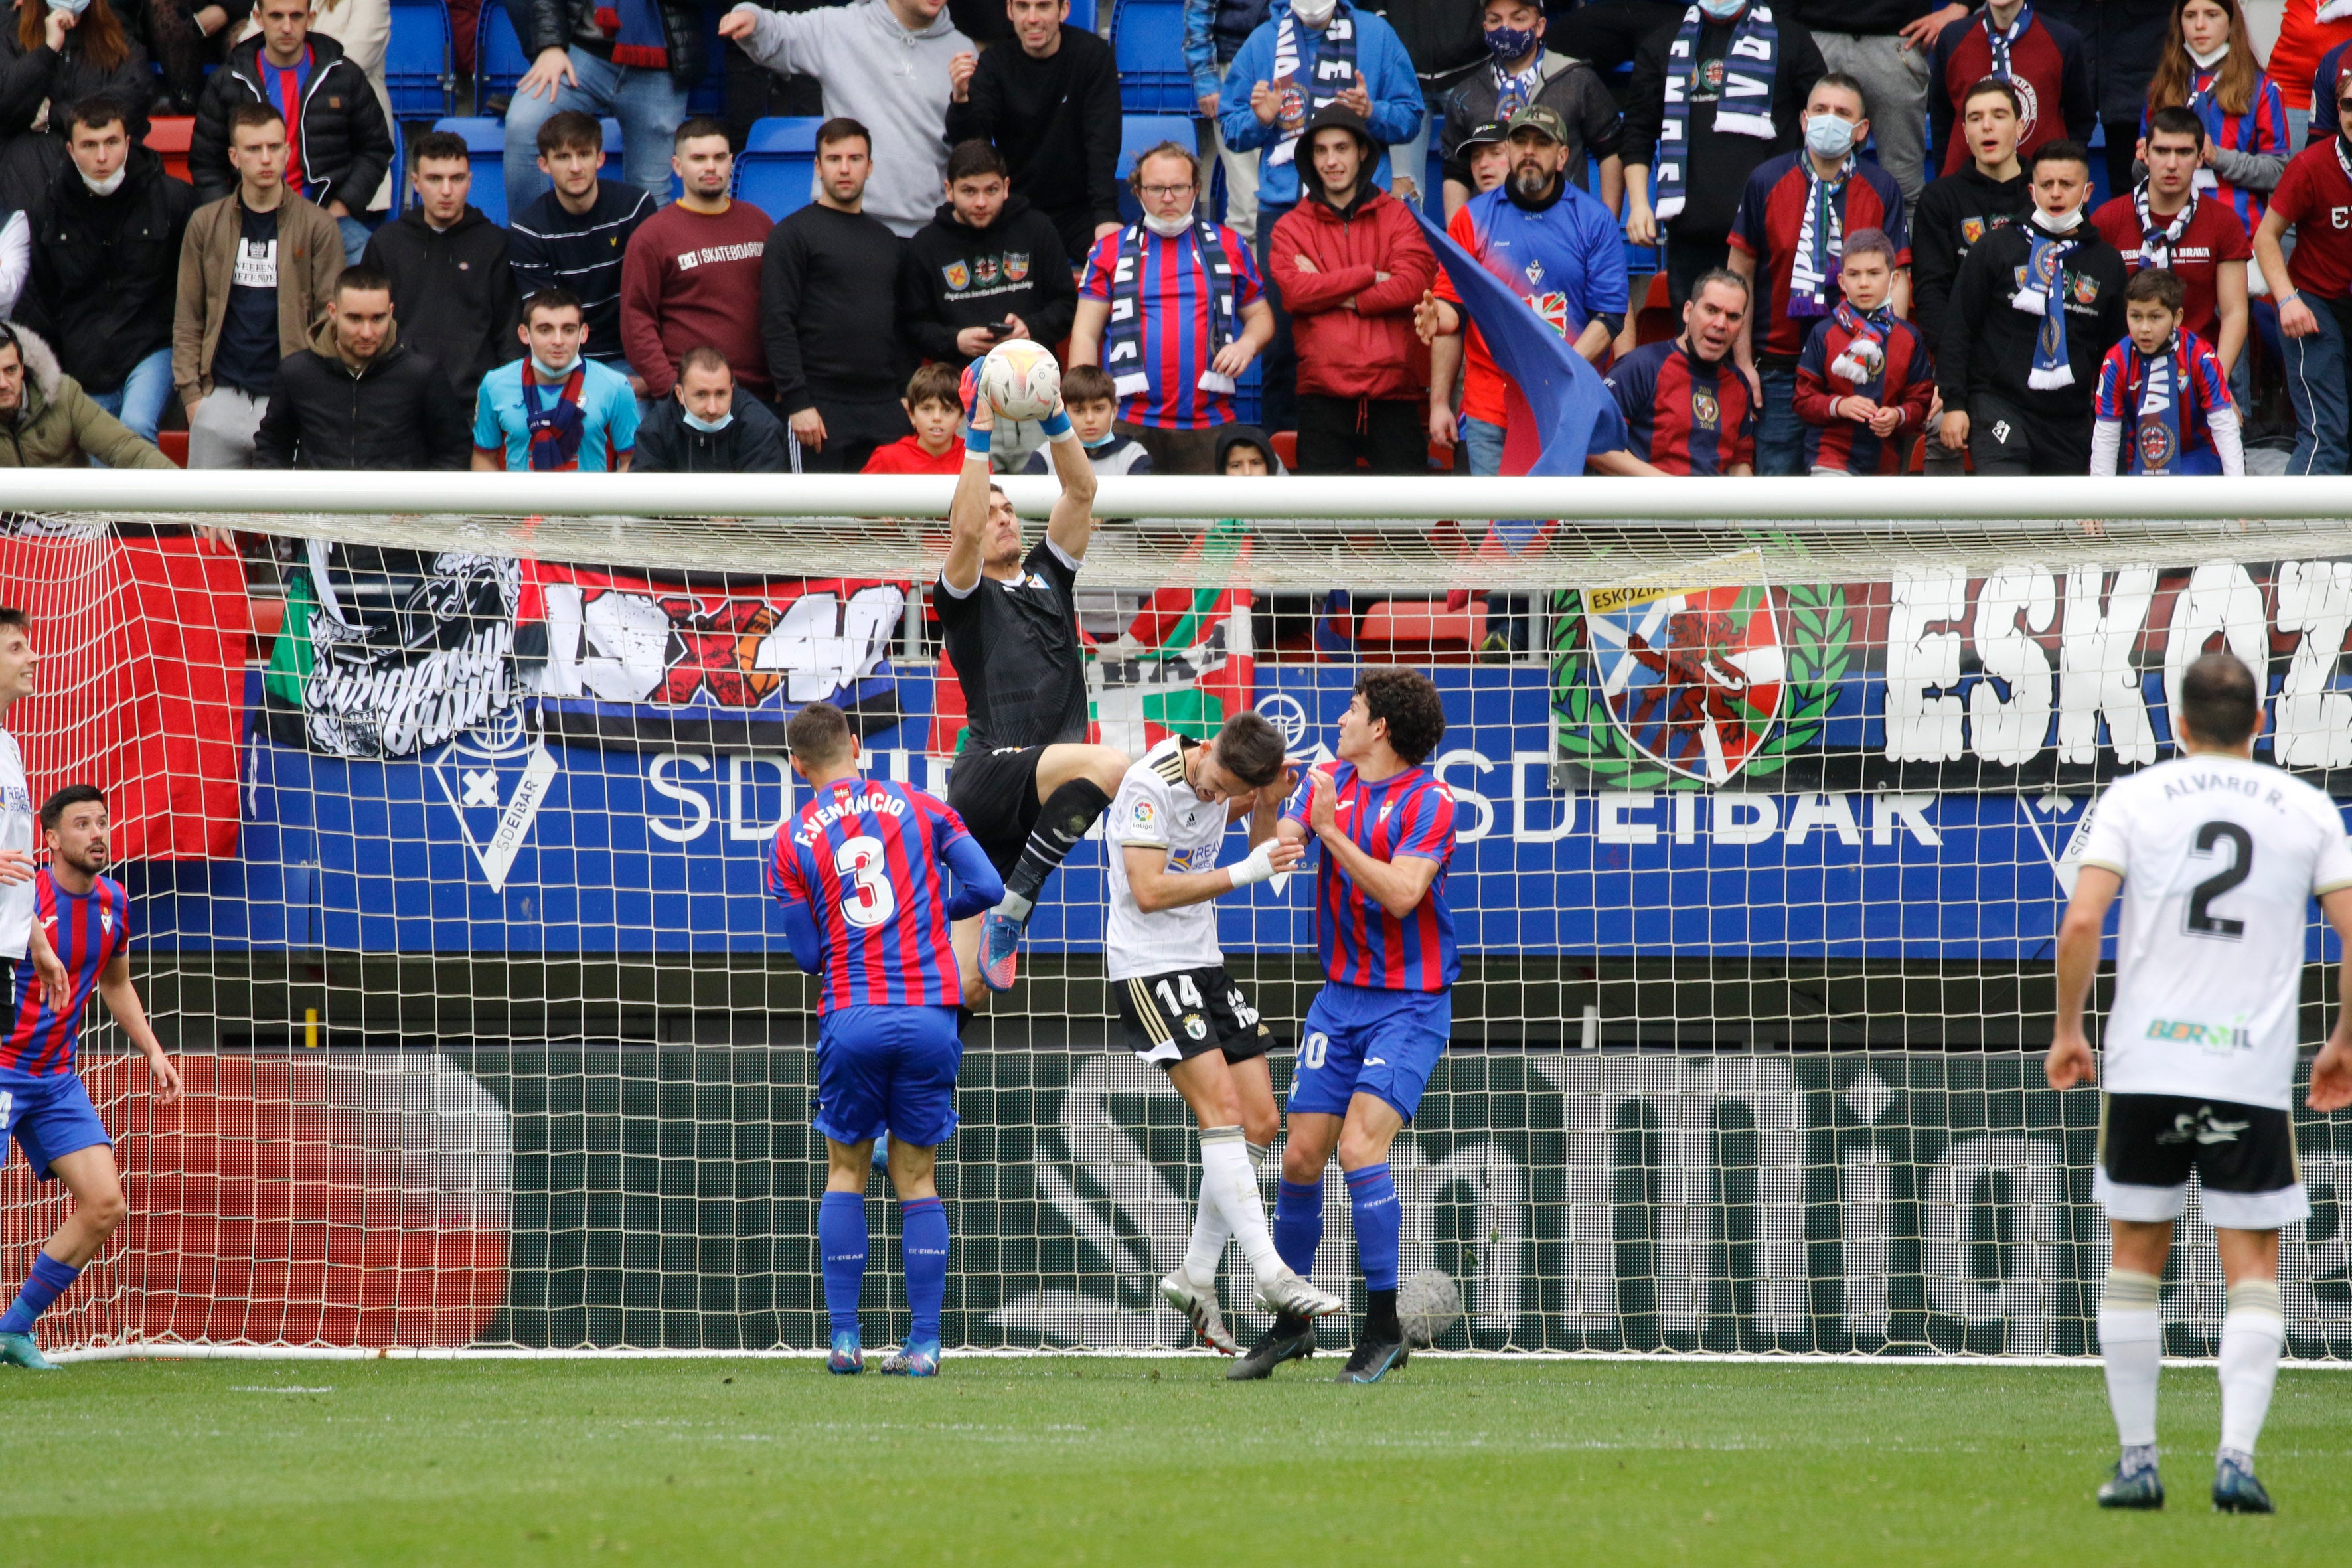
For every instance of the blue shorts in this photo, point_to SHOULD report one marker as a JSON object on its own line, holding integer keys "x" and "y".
{"x": 1361, "y": 1041}
{"x": 50, "y": 1115}
{"x": 888, "y": 1069}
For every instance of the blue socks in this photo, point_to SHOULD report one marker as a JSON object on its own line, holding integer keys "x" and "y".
{"x": 1372, "y": 1196}
{"x": 1298, "y": 1224}
{"x": 48, "y": 1281}
{"x": 841, "y": 1248}
{"x": 923, "y": 1238}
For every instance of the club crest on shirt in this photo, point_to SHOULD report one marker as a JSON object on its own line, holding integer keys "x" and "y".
{"x": 958, "y": 275}
{"x": 2029, "y": 106}
{"x": 2158, "y": 447}
{"x": 2087, "y": 290}
{"x": 1016, "y": 266}
{"x": 1534, "y": 273}
{"x": 1691, "y": 676}
{"x": 1972, "y": 229}
{"x": 983, "y": 268}
{"x": 1706, "y": 412}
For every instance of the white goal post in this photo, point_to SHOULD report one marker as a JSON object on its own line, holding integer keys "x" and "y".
{"x": 444, "y": 803}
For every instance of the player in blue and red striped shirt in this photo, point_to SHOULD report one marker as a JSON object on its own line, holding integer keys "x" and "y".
{"x": 1688, "y": 408}
{"x": 1377, "y": 1027}
{"x": 863, "y": 873}
{"x": 43, "y": 1105}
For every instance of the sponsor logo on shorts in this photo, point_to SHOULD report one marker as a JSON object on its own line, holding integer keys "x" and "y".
{"x": 2202, "y": 1128}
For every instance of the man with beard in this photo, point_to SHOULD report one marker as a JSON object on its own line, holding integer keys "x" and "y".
{"x": 1559, "y": 249}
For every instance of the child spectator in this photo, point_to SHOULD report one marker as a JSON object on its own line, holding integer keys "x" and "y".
{"x": 2167, "y": 384}
{"x": 2173, "y": 219}
{"x": 1485, "y": 154}
{"x": 1092, "y": 404}
{"x": 934, "y": 403}
{"x": 1864, "y": 383}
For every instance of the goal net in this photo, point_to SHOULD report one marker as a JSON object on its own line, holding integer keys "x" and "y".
{"x": 444, "y": 804}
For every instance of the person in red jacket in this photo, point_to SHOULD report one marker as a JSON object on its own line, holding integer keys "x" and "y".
{"x": 1350, "y": 265}
{"x": 934, "y": 405}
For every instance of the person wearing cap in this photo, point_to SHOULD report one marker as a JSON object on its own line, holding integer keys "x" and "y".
{"x": 1351, "y": 264}
{"x": 1556, "y": 247}
{"x": 1486, "y": 158}
{"x": 1787, "y": 241}
{"x": 1518, "y": 71}
{"x": 2316, "y": 306}
{"x": 1306, "y": 56}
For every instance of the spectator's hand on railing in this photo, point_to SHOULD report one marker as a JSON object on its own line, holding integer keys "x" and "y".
{"x": 737, "y": 25}
{"x": 808, "y": 429}
{"x": 1264, "y": 102}
{"x": 552, "y": 70}
{"x": 960, "y": 69}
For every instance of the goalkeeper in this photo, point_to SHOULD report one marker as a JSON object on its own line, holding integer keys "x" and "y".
{"x": 1182, "y": 1011}
{"x": 1026, "y": 780}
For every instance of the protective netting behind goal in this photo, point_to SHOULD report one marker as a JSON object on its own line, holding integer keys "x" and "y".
{"x": 445, "y": 835}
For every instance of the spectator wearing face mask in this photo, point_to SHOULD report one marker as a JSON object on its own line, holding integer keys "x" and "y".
{"x": 1787, "y": 241}
{"x": 703, "y": 428}
{"x": 2168, "y": 221}
{"x": 1883, "y": 45}
{"x": 1714, "y": 96}
{"x": 554, "y": 410}
{"x": 1519, "y": 71}
{"x": 54, "y": 54}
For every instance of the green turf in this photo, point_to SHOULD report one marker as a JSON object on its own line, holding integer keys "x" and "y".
{"x": 1054, "y": 1461}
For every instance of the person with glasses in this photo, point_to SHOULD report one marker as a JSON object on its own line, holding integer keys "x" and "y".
{"x": 1172, "y": 309}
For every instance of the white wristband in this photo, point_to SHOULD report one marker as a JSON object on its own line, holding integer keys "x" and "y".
{"x": 1254, "y": 867}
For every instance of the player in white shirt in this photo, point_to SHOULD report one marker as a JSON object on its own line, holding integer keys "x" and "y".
{"x": 2218, "y": 858}
{"x": 1180, "y": 1010}
{"x": 19, "y": 934}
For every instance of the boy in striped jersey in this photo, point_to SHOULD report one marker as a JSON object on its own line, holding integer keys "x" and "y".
{"x": 1180, "y": 1010}
{"x": 863, "y": 874}
{"x": 43, "y": 1105}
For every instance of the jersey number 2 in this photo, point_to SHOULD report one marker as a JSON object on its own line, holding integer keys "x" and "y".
{"x": 2202, "y": 921}
{"x": 867, "y": 900}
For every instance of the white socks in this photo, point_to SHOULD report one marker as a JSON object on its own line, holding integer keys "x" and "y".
{"x": 2131, "y": 1340}
{"x": 1231, "y": 1206}
{"x": 2251, "y": 1336}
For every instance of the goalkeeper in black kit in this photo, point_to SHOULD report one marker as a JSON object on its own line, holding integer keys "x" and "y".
{"x": 1026, "y": 782}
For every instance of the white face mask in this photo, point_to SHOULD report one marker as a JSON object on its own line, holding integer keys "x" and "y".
{"x": 552, "y": 372}
{"x": 1169, "y": 227}
{"x": 707, "y": 426}
{"x": 2207, "y": 62}
{"x": 1314, "y": 12}
{"x": 108, "y": 186}
{"x": 2066, "y": 224}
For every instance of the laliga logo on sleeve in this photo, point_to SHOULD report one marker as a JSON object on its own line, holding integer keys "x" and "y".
{"x": 1143, "y": 816}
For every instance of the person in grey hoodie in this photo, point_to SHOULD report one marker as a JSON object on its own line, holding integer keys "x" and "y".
{"x": 891, "y": 65}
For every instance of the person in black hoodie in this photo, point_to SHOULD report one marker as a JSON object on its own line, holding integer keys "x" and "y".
{"x": 358, "y": 397}
{"x": 339, "y": 146}
{"x": 54, "y": 56}
{"x": 1717, "y": 150}
{"x": 1958, "y": 211}
{"x": 987, "y": 267}
{"x": 1051, "y": 107}
{"x": 451, "y": 280}
{"x": 703, "y": 428}
{"x": 2017, "y": 396}
{"x": 105, "y": 275}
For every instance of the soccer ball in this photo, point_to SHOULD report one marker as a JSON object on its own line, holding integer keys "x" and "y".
{"x": 1020, "y": 379}
{"x": 1429, "y": 1304}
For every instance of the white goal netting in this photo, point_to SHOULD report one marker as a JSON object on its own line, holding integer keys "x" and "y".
{"x": 444, "y": 819}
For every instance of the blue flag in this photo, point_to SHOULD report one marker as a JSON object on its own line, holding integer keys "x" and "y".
{"x": 1574, "y": 411}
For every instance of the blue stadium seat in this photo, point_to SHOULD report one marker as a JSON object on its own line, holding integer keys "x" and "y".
{"x": 778, "y": 164}
{"x": 1138, "y": 133}
{"x": 486, "y": 148}
{"x": 710, "y": 94}
{"x": 1148, "y": 37}
{"x": 498, "y": 59}
{"x": 416, "y": 70}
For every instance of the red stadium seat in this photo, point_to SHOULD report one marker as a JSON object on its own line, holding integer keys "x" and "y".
{"x": 173, "y": 444}
{"x": 1426, "y": 628}
{"x": 1656, "y": 320}
{"x": 170, "y": 135}
{"x": 1286, "y": 443}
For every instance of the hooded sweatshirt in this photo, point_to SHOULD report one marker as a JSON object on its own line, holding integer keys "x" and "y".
{"x": 453, "y": 292}
{"x": 892, "y": 81}
{"x": 956, "y": 276}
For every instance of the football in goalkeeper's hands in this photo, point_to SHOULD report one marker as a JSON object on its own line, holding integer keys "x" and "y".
{"x": 1427, "y": 1305}
{"x": 1020, "y": 379}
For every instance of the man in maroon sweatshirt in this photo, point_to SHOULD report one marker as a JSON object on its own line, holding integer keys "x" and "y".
{"x": 691, "y": 275}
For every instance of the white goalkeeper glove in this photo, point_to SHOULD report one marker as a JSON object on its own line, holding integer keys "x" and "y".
{"x": 1254, "y": 867}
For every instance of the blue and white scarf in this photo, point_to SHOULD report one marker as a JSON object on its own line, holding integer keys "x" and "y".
{"x": 1751, "y": 67}
{"x": 2043, "y": 294}
{"x": 2156, "y": 411}
{"x": 2156, "y": 237}
{"x": 1123, "y": 335}
{"x": 1821, "y": 241}
{"x": 1999, "y": 40}
{"x": 1513, "y": 93}
{"x": 1335, "y": 73}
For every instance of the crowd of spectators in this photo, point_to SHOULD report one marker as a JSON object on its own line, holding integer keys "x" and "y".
{"x": 1872, "y": 226}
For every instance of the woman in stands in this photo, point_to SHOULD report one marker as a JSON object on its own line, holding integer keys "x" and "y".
{"x": 59, "y": 57}
{"x": 2209, "y": 67}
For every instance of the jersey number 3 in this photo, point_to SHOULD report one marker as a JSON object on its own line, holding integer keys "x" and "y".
{"x": 866, "y": 898}
{"x": 2202, "y": 921}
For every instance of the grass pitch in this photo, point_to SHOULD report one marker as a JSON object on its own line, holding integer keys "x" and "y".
{"x": 1052, "y": 1461}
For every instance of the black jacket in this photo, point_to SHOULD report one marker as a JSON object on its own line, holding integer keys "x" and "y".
{"x": 1953, "y": 214}
{"x": 956, "y": 277}
{"x": 1719, "y": 165}
{"x": 829, "y": 309}
{"x": 63, "y": 78}
{"x": 106, "y": 270}
{"x": 560, "y": 23}
{"x": 346, "y": 145}
{"x": 1057, "y": 120}
{"x": 453, "y": 293}
{"x": 1988, "y": 342}
{"x": 753, "y": 442}
{"x": 394, "y": 413}
{"x": 1444, "y": 38}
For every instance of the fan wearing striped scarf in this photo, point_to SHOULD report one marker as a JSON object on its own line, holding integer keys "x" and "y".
{"x": 554, "y": 410}
{"x": 2164, "y": 406}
